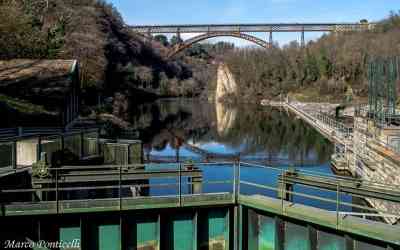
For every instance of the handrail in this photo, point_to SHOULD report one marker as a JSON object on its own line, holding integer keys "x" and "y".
{"x": 23, "y": 132}
{"x": 278, "y": 186}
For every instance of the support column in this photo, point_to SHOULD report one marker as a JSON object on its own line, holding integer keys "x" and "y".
{"x": 271, "y": 41}
{"x": 178, "y": 35}
{"x": 149, "y": 36}
{"x": 303, "y": 41}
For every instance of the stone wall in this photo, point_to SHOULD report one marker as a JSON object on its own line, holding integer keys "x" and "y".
{"x": 374, "y": 162}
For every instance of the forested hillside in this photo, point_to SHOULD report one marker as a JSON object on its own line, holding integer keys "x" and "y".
{"x": 326, "y": 68}
{"x": 112, "y": 58}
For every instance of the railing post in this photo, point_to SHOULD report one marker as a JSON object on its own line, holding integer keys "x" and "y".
{"x": 57, "y": 203}
{"x": 119, "y": 188}
{"x": 14, "y": 155}
{"x": 236, "y": 181}
{"x": 337, "y": 204}
{"x": 180, "y": 184}
{"x": 283, "y": 190}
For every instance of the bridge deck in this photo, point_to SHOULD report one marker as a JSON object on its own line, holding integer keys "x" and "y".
{"x": 274, "y": 27}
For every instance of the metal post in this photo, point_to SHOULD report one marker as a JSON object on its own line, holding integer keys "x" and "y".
{"x": 283, "y": 190}
{"x": 337, "y": 204}
{"x": 14, "y": 155}
{"x": 57, "y": 205}
{"x": 119, "y": 188}
{"x": 271, "y": 41}
{"x": 180, "y": 184}
{"x": 178, "y": 35}
{"x": 238, "y": 182}
{"x": 82, "y": 144}
{"x": 149, "y": 35}
{"x": 39, "y": 148}
{"x": 234, "y": 183}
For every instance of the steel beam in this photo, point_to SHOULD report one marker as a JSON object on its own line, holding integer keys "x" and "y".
{"x": 275, "y": 27}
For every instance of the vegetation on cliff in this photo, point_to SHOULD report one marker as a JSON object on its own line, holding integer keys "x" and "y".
{"x": 324, "y": 68}
{"x": 112, "y": 58}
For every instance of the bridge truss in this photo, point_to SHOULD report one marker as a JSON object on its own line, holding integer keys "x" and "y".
{"x": 206, "y": 31}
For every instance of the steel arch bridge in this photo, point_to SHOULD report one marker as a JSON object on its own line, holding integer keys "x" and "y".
{"x": 206, "y": 31}
{"x": 186, "y": 44}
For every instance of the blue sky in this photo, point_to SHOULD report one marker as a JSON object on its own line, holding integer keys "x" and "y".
{"x": 253, "y": 11}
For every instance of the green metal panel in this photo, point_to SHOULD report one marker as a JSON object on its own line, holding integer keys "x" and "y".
{"x": 214, "y": 229}
{"x": 115, "y": 153}
{"x": 71, "y": 235}
{"x": 143, "y": 234}
{"x": 90, "y": 144}
{"x": 367, "y": 246}
{"x": 262, "y": 232}
{"x": 6, "y": 154}
{"x": 328, "y": 241}
{"x": 182, "y": 230}
{"x": 296, "y": 237}
{"x": 109, "y": 237}
{"x": 72, "y": 142}
{"x": 135, "y": 153}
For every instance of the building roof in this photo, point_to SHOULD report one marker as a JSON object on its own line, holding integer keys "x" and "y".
{"x": 13, "y": 71}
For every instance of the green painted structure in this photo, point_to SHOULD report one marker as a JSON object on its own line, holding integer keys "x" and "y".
{"x": 201, "y": 227}
{"x": 192, "y": 218}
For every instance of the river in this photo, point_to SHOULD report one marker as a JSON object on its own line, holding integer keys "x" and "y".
{"x": 190, "y": 130}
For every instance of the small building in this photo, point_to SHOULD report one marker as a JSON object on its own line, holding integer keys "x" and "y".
{"x": 52, "y": 85}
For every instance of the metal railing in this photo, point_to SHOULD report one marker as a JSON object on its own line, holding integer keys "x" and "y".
{"x": 340, "y": 129}
{"x": 82, "y": 142}
{"x": 325, "y": 122}
{"x": 180, "y": 181}
{"x": 23, "y": 132}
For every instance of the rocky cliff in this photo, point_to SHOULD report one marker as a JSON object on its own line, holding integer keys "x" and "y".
{"x": 226, "y": 84}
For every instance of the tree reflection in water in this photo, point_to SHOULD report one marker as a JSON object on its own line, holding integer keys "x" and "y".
{"x": 248, "y": 130}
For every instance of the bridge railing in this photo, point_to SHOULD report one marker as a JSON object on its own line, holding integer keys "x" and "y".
{"x": 323, "y": 120}
{"x": 121, "y": 187}
{"x": 341, "y": 130}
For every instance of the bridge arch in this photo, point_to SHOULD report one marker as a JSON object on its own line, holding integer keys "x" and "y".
{"x": 186, "y": 44}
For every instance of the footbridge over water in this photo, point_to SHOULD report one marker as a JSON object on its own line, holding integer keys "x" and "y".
{"x": 244, "y": 31}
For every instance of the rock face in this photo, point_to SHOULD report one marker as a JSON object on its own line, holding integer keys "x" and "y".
{"x": 226, "y": 84}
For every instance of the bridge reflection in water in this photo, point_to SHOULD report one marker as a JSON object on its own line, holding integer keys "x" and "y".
{"x": 229, "y": 211}
{"x": 215, "y": 131}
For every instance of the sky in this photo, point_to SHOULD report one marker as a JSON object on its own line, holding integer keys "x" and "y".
{"x": 149, "y": 12}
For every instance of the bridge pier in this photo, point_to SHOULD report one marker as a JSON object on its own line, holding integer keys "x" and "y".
{"x": 271, "y": 41}
{"x": 178, "y": 35}
{"x": 303, "y": 41}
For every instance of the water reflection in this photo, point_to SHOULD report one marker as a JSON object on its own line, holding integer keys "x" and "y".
{"x": 182, "y": 129}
